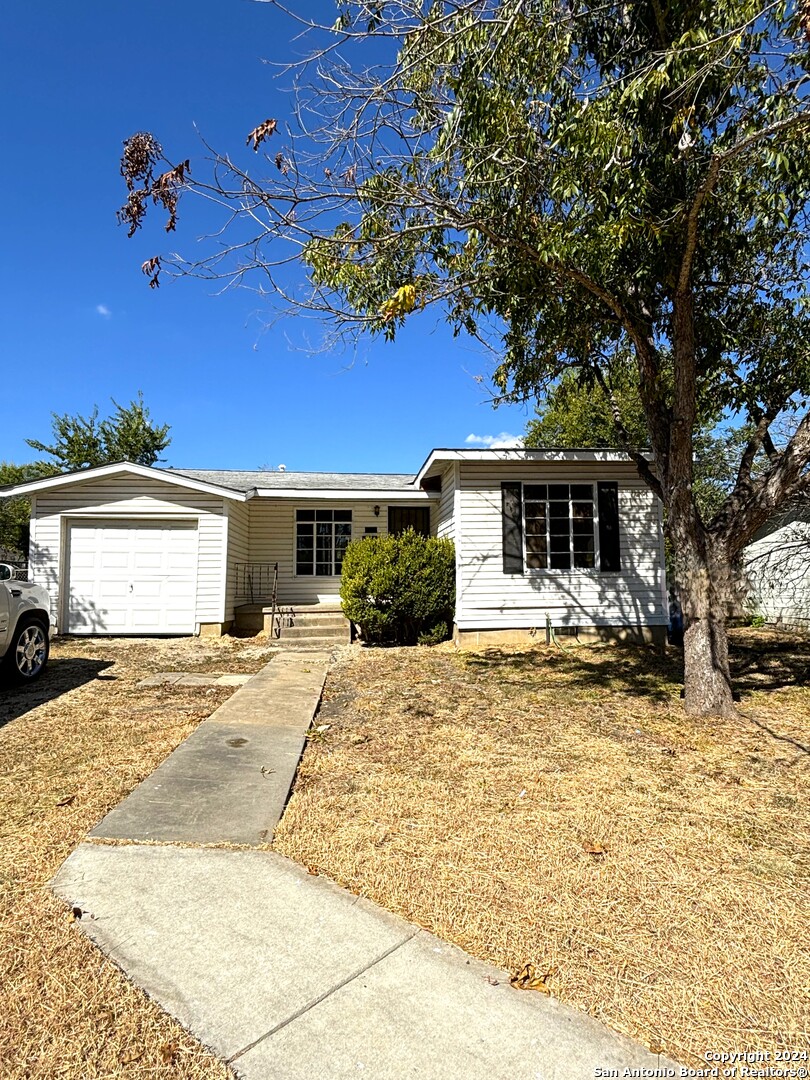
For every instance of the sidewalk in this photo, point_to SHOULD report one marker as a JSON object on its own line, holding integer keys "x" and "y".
{"x": 229, "y": 781}
{"x": 281, "y": 972}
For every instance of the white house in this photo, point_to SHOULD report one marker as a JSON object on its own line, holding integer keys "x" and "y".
{"x": 777, "y": 568}
{"x": 544, "y": 538}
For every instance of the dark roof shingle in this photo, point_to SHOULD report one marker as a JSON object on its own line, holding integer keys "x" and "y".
{"x": 236, "y": 480}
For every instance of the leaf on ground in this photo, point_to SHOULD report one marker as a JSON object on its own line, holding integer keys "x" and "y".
{"x": 168, "y": 1052}
{"x": 594, "y": 849}
{"x": 129, "y": 1057}
{"x": 528, "y": 979}
{"x": 68, "y": 799}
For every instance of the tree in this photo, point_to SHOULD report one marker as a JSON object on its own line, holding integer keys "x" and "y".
{"x": 15, "y": 513}
{"x": 581, "y": 181}
{"x": 82, "y": 442}
{"x": 575, "y": 412}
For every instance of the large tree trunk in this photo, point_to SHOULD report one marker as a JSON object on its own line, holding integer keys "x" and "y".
{"x": 702, "y": 569}
{"x": 705, "y": 584}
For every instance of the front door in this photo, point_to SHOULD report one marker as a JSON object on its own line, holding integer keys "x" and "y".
{"x": 401, "y": 518}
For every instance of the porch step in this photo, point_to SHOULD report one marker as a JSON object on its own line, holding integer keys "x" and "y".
{"x": 311, "y": 620}
{"x": 322, "y": 624}
{"x": 308, "y": 627}
{"x": 309, "y": 642}
{"x": 308, "y": 632}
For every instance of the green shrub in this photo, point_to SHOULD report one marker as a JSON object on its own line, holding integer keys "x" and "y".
{"x": 400, "y": 589}
{"x": 757, "y": 621}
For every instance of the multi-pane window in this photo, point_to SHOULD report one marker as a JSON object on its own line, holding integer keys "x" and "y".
{"x": 321, "y": 539}
{"x": 559, "y": 526}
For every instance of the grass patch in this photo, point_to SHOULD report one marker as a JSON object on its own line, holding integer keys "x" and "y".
{"x": 72, "y": 746}
{"x": 558, "y": 808}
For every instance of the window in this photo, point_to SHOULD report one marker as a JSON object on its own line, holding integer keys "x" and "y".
{"x": 559, "y": 526}
{"x": 321, "y": 538}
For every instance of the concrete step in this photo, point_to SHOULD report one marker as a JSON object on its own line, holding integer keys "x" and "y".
{"x": 301, "y": 633}
{"x": 301, "y": 622}
{"x": 309, "y": 642}
{"x": 311, "y": 620}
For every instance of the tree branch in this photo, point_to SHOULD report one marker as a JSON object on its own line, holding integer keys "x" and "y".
{"x": 644, "y": 467}
{"x": 750, "y": 506}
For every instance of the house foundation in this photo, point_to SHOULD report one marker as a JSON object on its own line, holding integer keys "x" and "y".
{"x": 537, "y": 635}
{"x": 214, "y": 629}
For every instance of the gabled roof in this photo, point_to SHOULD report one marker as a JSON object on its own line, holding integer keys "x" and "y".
{"x": 126, "y": 468}
{"x": 240, "y": 486}
{"x": 436, "y": 459}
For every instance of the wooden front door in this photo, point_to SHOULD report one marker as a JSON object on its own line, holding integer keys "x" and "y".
{"x": 401, "y": 518}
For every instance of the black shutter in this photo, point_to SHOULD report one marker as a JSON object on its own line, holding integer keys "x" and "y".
{"x": 512, "y": 520}
{"x": 609, "y": 546}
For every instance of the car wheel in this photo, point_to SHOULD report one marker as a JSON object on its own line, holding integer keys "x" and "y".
{"x": 28, "y": 653}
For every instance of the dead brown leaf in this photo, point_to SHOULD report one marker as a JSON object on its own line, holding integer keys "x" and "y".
{"x": 594, "y": 849}
{"x": 260, "y": 133}
{"x": 168, "y": 1052}
{"x": 528, "y": 979}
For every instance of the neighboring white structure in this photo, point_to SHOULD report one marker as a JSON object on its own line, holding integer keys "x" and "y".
{"x": 562, "y": 538}
{"x": 777, "y": 568}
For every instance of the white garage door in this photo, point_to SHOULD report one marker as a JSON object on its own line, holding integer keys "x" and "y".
{"x": 132, "y": 577}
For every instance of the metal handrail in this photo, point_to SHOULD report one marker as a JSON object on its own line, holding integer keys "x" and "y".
{"x": 256, "y": 582}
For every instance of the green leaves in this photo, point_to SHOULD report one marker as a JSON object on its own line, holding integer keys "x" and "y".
{"x": 399, "y": 588}
{"x": 82, "y": 442}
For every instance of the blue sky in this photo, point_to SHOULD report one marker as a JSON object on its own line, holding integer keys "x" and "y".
{"x": 79, "y": 323}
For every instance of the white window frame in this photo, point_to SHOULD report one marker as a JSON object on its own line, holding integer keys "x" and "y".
{"x": 595, "y": 502}
{"x": 314, "y": 523}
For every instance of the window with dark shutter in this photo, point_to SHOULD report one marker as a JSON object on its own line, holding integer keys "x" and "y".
{"x": 512, "y": 523}
{"x": 559, "y": 526}
{"x": 609, "y": 540}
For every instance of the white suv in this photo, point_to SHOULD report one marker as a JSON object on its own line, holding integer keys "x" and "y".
{"x": 25, "y": 624}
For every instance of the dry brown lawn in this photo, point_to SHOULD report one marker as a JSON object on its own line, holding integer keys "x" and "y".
{"x": 71, "y": 746}
{"x": 558, "y": 808}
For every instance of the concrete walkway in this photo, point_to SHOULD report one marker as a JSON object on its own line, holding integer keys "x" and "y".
{"x": 228, "y": 782}
{"x": 282, "y": 973}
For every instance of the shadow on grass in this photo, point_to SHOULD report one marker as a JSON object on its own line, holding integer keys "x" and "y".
{"x": 59, "y": 677}
{"x": 645, "y": 672}
{"x": 634, "y": 670}
{"x": 771, "y": 665}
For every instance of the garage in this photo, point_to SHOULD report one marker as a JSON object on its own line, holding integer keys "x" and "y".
{"x": 131, "y": 577}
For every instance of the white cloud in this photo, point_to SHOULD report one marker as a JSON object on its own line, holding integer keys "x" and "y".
{"x": 103, "y": 310}
{"x": 504, "y": 441}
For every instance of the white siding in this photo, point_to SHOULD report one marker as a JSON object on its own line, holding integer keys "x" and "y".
{"x": 131, "y": 498}
{"x": 778, "y": 570}
{"x": 445, "y": 521}
{"x": 489, "y": 599}
{"x": 272, "y": 540}
{"x": 238, "y": 550}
